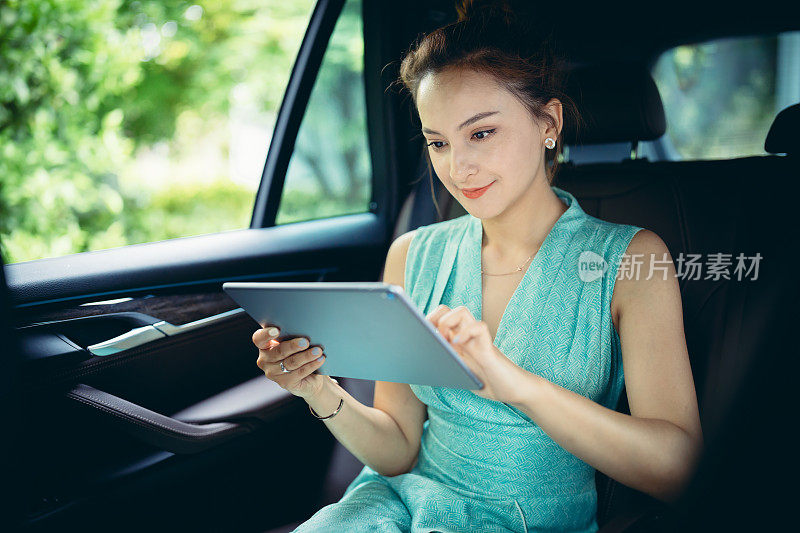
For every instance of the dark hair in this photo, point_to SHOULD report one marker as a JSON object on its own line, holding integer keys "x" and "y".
{"x": 488, "y": 37}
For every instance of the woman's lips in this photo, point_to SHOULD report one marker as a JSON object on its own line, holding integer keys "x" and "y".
{"x": 476, "y": 193}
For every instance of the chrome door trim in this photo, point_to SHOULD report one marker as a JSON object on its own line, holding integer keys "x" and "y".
{"x": 142, "y": 335}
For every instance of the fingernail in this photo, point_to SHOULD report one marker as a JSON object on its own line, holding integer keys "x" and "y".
{"x": 320, "y": 358}
{"x": 303, "y": 343}
{"x": 455, "y": 339}
{"x": 273, "y": 332}
{"x": 316, "y": 351}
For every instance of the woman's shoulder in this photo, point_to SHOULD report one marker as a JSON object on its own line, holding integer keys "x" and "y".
{"x": 608, "y": 231}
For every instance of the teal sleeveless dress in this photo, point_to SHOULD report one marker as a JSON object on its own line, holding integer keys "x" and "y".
{"x": 484, "y": 465}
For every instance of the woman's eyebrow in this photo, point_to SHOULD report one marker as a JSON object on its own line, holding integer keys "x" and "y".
{"x": 466, "y": 123}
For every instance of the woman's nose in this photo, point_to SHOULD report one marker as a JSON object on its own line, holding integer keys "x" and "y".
{"x": 460, "y": 165}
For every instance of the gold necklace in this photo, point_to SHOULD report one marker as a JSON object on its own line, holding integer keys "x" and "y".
{"x": 514, "y": 272}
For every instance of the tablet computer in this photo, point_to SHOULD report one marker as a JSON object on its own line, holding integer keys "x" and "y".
{"x": 368, "y": 330}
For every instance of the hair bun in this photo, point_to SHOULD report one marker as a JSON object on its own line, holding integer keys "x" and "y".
{"x": 471, "y": 9}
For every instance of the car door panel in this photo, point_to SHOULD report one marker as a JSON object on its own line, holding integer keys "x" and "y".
{"x": 140, "y": 400}
{"x": 87, "y": 471}
{"x": 176, "y": 375}
{"x": 114, "y": 413}
{"x": 179, "y": 398}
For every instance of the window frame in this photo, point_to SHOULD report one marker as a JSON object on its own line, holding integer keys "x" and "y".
{"x": 381, "y": 114}
{"x": 662, "y": 149}
{"x": 292, "y": 109}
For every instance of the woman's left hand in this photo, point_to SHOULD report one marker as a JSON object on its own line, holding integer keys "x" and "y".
{"x": 470, "y": 338}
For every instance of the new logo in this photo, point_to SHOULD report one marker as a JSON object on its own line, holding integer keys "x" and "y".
{"x": 591, "y": 266}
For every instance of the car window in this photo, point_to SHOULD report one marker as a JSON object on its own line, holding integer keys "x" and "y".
{"x": 720, "y": 97}
{"x": 330, "y": 172}
{"x": 130, "y": 122}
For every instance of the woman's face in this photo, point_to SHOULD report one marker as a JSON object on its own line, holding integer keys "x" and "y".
{"x": 478, "y": 134}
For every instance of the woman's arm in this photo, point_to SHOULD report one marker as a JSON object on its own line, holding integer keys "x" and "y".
{"x": 654, "y": 449}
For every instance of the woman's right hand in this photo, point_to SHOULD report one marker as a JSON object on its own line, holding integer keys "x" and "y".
{"x": 299, "y": 359}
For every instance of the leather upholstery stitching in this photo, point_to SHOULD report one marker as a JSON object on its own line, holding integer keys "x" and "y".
{"x": 204, "y": 433}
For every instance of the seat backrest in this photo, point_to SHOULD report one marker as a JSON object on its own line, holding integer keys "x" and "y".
{"x": 703, "y": 208}
{"x": 745, "y": 479}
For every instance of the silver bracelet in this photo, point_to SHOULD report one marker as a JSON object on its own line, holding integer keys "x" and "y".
{"x": 341, "y": 403}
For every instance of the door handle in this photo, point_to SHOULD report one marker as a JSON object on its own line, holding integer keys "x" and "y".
{"x": 131, "y": 339}
{"x": 164, "y": 432}
{"x": 158, "y": 330}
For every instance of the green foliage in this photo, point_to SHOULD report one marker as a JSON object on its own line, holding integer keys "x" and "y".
{"x": 298, "y": 205}
{"x": 88, "y": 85}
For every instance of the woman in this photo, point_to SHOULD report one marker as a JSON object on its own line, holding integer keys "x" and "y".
{"x": 505, "y": 284}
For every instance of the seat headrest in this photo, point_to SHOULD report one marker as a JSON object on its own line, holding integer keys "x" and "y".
{"x": 782, "y": 137}
{"x": 618, "y": 102}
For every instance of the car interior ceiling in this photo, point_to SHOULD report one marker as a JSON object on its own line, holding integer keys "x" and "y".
{"x": 698, "y": 207}
{"x": 590, "y": 32}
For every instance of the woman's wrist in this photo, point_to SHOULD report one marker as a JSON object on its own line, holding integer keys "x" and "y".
{"x": 326, "y": 401}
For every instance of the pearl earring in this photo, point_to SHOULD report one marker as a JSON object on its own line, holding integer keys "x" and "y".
{"x": 550, "y": 143}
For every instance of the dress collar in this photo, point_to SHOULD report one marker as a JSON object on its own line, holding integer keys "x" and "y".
{"x": 541, "y": 270}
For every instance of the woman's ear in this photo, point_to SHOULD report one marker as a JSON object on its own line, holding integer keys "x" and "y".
{"x": 554, "y": 108}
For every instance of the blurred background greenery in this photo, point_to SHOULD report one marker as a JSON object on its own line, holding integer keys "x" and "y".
{"x": 720, "y": 97}
{"x": 125, "y": 122}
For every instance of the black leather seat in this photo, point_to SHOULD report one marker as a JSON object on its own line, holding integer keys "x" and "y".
{"x": 746, "y": 478}
{"x": 698, "y": 207}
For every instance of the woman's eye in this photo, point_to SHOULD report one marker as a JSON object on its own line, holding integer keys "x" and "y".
{"x": 485, "y": 133}
{"x": 480, "y": 135}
